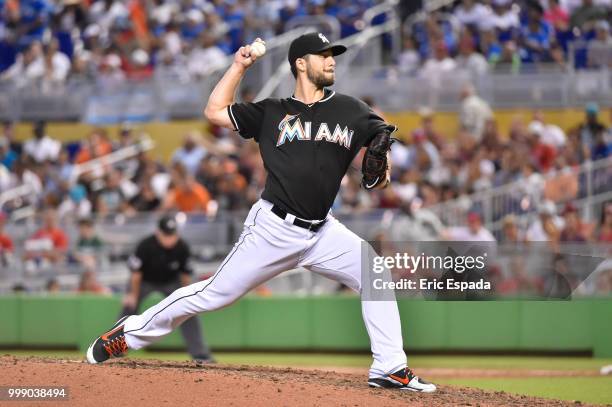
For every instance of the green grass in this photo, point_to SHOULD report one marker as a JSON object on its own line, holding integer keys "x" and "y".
{"x": 586, "y": 389}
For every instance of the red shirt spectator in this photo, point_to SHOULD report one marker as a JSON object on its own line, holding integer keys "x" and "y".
{"x": 57, "y": 236}
{"x": 6, "y": 244}
{"x": 557, "y": 15}
{"x": 544, "y": 155}
{"x": 51, "y": 231}
{"x": 605, "y": 225}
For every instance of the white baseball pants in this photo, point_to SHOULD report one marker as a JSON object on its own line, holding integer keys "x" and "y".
{"x": 268, "y": 246}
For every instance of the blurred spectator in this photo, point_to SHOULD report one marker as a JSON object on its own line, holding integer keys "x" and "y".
{"x": 423, "y": 154}
{"x": 7, "y": 156}
{"x": 76, "y": 204}
{"x": 95, "y": 146}
{"x": 185, "y": 195}
{"x": 490, "y": 46}
{"x": 557, "y": 15}
{"x": 468, "y": 58}
{"x": 548, "y": 226}
{"x": 90, "y": 284}
{"x": 441, "y": 64}
{"x": 473, "y": 232}
{"x": 191, "y": 152}
{"x": 471, "y": 12}
{"x": 504, "y": 19}
{"x": 110, "y": 75}
{"x": 42, "y": 147}
{"x": 138, "y": 65}
{"x": 588, "y": 12}
{"x": 602, "y": 148}
{"x": 604, "y": 229}
{"x": 574, "y": 229}
{"x": 427, "y": 124}
{"x": 145, "y": 200}
{"x": 414, "y": 223}
{"x": 53, "y": 67}
{"x": 6, "y": 243}
{"x": 261, "y": 18}
{"x": 89, "y": 246}
{"x": 509, "y": 59}
{"x": 542, "y": 154}
{"x": 8, "y": 134}
{"x": 48, "y": 245}
{"x": 408, "y": 60}
{"x": 22, "y": 72}
{"x": 230, "y": 187}
{"x": 590, "y": 131}
{"x": 600, "y": 49}
{"x": 550, "y": 134}
{"x": 474, "y": 112}
{"x": 23, "y": 175}
{"x": 113, "y": 197}
{"x": 511, "y": 231}
{"x": 206, "y": 57}
{"x": 563, "y": 183}
{"x": 536, "y": 35}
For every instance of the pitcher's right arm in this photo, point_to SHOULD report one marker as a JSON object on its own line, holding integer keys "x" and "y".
{"x": 224, "y": 92}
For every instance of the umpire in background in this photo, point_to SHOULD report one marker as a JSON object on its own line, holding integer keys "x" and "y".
{"x": 161, "y": 263}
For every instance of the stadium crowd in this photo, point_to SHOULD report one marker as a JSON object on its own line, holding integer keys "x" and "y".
{"x": 113, "y": 39}
{"x": 510, "y": 36}
{"x": 222, "y": 172}
{"x": 50, "y": 42}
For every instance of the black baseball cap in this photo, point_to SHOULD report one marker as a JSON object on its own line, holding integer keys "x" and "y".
{"x": 312, "y": 43}
{"x": 167, "y": 225}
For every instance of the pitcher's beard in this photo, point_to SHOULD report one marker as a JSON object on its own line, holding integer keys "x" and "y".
{"x": 318, "y": 78}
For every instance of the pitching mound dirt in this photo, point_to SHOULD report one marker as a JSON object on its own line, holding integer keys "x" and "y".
{"x": 158, "y": 383}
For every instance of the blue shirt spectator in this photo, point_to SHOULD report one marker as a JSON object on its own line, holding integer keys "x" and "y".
{"x": 536, "y": 41}
{"x": 34, "y": 17}
{"x": 190, "y": 153}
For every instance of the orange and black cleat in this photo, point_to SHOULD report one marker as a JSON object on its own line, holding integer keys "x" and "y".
{"x": 403, "y": 379}
{"x": 108, "y": 345}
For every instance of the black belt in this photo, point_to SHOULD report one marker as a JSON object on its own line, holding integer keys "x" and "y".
{"x": 312, "y": 226}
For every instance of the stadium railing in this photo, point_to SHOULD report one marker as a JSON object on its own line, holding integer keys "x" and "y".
{"x": 594, "y": 186}
{"x": 167, "y": 97}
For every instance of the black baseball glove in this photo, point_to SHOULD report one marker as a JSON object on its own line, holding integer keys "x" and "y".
{"x": 374, "y": 166}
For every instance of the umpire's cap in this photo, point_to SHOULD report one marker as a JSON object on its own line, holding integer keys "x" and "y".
{"x": 167, "y": 225}
{"x": 312, "y": 43}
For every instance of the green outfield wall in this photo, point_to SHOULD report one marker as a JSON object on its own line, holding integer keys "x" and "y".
{"x": 329, "y": 323}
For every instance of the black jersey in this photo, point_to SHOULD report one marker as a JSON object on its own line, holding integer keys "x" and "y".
{"x": 306, "y": 149}
{"x": 158, "y": 264}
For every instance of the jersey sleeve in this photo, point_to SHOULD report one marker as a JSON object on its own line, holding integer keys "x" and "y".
{"x": 247, "y": 118}
{"x": 375, "y": 124}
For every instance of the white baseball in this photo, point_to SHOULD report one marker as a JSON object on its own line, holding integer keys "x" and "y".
{"x": 258, "y": 48}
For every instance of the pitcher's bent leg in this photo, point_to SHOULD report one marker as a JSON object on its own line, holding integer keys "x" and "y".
{"x": 337, "y": 255}
{"x": 262, "y": 251}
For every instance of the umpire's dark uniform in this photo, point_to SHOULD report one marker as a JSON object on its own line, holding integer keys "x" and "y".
{"x": 161, "y": 263}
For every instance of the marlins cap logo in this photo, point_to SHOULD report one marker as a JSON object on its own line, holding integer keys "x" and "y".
{"x": 323, "y": 38}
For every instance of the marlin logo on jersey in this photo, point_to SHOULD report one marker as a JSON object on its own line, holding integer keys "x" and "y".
{"x": 291, "y": 128}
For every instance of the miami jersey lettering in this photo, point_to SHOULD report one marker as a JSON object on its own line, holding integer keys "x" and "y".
{"x": 290, "y": 128}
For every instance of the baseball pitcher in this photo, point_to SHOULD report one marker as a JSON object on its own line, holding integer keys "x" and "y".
{"x": 307, "y": 142}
